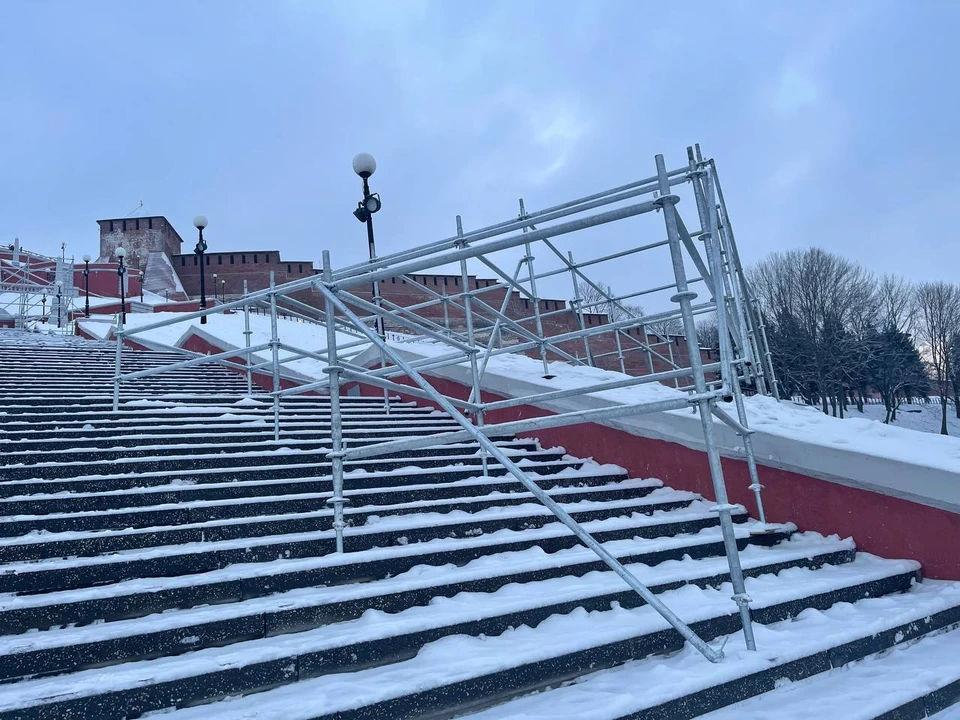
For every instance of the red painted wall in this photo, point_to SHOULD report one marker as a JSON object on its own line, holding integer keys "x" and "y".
{"x": 880, "y": 524}
{"x": 197, "y": 344}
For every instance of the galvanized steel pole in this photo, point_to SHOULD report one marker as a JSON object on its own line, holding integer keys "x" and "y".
{"x": 246, "y": 339}
{"x": 684, "y": 298}
{"x": 334, "y": 371}
{"x": 275, "y": 346}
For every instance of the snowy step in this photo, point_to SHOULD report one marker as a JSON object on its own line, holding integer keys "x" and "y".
{"x": 524, "y": 555}
{"x": 239, "y": 500}
{"x": 914, "y": 679}
{"x": 211, "y": 520}
{"x": 166, "y": 561}
{"x": 71, "y": 649}
{"x": 451, "y": 666}
{"x": 181, "y": 466}
{"x": 105, "y": 408}
{"x": 251, "y": 435}
{"x": 74, "y": 418}
{"x": 447, "y": 563}
{"x": 386, "y": 431}
{"x": 347, "y": 402}
{"x": 217, "y": 416}
{"x": 457, "y": 674}
{"x": 160, "y": 486}
{"x": 143, "y": 448}
{"x": 686, "y": 685}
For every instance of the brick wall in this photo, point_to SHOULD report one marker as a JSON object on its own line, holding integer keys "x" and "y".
{"x": 254, "y": 266}
{"x": 556, "y": 317}
{"x": 139, "y": 237}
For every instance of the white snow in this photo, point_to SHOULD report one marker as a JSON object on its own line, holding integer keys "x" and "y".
{"x": 518, "y": 376}
{"x": 558, "y": 589}
{"x": 456, "y": 658}
{"x": 862, "y": 690}
{"x": 230, "y": 329}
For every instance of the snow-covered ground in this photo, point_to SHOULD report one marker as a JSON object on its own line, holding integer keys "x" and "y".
{"x": 925, "y": 418}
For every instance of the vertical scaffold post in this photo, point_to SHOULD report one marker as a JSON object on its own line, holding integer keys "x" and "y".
{"x": 117, "y": 364}
{"x": 684, "y": 298}
{"x": 334, "y": 370}
{"x": 446, "y": 308}
{"x": 532, "y": 277}
{"x": 579, "y": 306}
{"x": 611, "y": 318}
{"x": 246, "y": 339}
{"x": 704, "y": 191}
{"x": 275, "y": 351}
{"x": 474, "y": 368}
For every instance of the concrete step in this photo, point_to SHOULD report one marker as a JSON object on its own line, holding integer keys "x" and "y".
{"x": 159, "y": 635}
{"x": 256, "y": 434}
{"x": 199, "y": 426}
{"x": 68, "y": 535}
{"x": 141, "y": 448}
{"x": 46, "y": 472}
{"x": 267, "y": 663}
{"x": 912, "y": 680}
{"x": 232, "y": 501}
{"x": 169, "y": 561}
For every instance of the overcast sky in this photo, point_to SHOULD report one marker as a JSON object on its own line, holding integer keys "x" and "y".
{"x": 832, "y": 123}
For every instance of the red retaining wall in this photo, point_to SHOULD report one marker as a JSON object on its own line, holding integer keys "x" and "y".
{"x": 883, "y": 525}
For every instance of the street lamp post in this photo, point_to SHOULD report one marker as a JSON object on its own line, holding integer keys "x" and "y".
{"x": 143, "y": 271}
{"x": 43, "y": 310}
{"x": 121, "y": 271}
{"x": 86, "y": 285}
{"x": 223, "y": 291}
{"x": 215, "y": 297}
{"x": 200, "y": 222}
{"x": 59, "y": 304}
{"x": 364, "y": 165}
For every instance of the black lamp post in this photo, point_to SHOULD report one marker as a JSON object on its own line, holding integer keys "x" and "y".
{"x": 121, "y": 271}
{"x": 215, "y": 296}
{"x": 364, "y": 165}
{"x": 143, "y": 271}
{"x": 200, "y": 222}
{"x": 43, "y": 311}
{"x": 59, "y": 304}
{"x": 86, "y": 285}
{"x": 223, "y": 291}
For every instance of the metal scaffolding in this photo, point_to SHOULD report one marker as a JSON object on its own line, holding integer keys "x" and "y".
{"x": 357, "y": 353}
{"x": 36, "y": 290}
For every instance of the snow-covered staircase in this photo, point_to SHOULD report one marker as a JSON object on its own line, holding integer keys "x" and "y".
{"x": 172, "y": 558}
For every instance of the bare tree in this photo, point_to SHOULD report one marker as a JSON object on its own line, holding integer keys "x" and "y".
{"x": 708, "y": 334}
{"x": 955, "y": 371}
{"x": 938, "y": 314}
{"x": 896, "y": 308}
{"x": 821, "y": 308}
{"x": 667, "y": 328}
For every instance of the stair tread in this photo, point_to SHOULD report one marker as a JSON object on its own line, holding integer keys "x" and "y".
{"x": 46, "y": 536}
{"x": 862, "y": 690}
{"x": 175, "y": 482}
{"x": 697, "y": 510}
{"x": 456, "y": 658}
{"x": 490, "y": 541}
{"x": 650, "y": 682}
{"x": 505, "y": 564}
{"x": 255, "y": 453}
